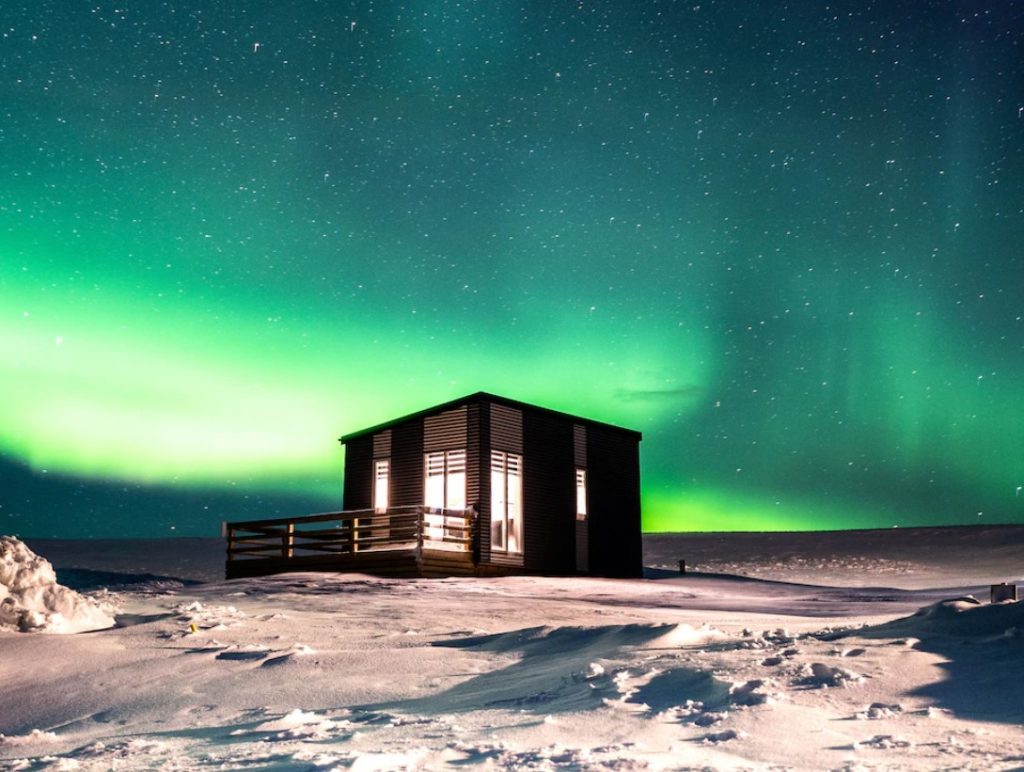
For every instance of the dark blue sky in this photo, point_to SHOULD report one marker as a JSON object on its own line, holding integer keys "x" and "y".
{"x": 781, "y": 239}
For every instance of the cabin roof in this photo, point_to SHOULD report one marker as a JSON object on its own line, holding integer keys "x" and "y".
{"x": 483, "y": 396}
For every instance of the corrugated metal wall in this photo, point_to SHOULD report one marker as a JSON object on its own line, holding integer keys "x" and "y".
{"x": 613, "y": 479}
{"x": 473, "y": 476}
{"x": 549, "y": 493}
{"x": 582, "y": 546}
{"x": 407, "y": 464}
{"x": 445, "y": 431}
{"x": 357, "y": 490}
{"x": 382, "y": 444}
{"x": 479, "y": 465}
{"x": 579, "y": 445}
{"x": 506, "y": 430}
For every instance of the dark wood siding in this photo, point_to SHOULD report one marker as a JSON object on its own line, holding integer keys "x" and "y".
{"x": 381, "y": 451}
{"x": 407, "y": 464}
{"x": 582, "y": 546}
{"x": 445, "y": 431}
{"x": 506, "y": 429}
{"x": 549, "y": 494}
{"x": 357, "y": 490}
{"x": 613, "y": 481}
{"x": 473, "y": 464}
{"x": 480, "y": 464}
{"x": 382, "y": 444}
{"x": 579, "y": 445}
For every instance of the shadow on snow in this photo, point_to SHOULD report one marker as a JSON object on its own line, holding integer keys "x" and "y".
{"x": 568, "y": 669}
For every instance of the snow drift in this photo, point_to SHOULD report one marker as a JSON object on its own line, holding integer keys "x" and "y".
{"x": 32, "y": 601}
{"x": 965, "y": 618}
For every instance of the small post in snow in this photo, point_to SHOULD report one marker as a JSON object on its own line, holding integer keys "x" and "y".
{"x": 1003, "y": 592}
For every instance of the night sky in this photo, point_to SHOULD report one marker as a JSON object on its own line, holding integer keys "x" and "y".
{"x": 784, "y": 240}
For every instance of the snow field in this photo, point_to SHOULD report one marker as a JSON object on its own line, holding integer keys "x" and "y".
{"x": 332, "y": 672}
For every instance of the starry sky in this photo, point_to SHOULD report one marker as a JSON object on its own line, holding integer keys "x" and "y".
{"x": 782, "y": 239}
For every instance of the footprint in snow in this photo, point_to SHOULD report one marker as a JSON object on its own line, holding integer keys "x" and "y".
{"x": 724, "y": 736}
{"x": 820, "y": 675}
{"x": 709, "y": 719}
{"x": 695, "y": 712}
{"x": 879, "y": 710}
{"x": 883, "y": 742}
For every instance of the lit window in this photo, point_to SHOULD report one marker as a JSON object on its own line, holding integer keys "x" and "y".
{"x": 381, "y": 476}
{"x": 581, "y": 494}
{"x": 445, "y": 485}
{"x": 506, "y": 502}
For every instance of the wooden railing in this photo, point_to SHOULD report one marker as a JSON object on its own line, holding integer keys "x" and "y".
{"x": 349, "y": 533}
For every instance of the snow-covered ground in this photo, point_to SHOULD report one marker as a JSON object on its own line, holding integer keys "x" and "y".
{"x": 897, "y": 557}
{"x": 324, "y": 671}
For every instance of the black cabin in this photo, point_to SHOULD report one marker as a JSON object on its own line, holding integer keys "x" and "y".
{"x": 481, "y": 485}
{"x": 552, "y": 493}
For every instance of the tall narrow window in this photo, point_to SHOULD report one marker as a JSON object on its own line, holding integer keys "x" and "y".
{"x": 455, "y": 486}
{"x": 581, "y": 494}
{"x": 445, "y": 484}
{"x": 506, "y": 502}
{"x": 381, "y": 478}
{"x": 434, "y": 492}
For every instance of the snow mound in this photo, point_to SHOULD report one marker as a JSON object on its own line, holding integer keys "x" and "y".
{"x": 879, "y": 710}
{"x": 34, "y": 737}
{"x": 821, "y": 675}
{"x": 750, "y": 693}
{"x": 32, "y": 601}
{"x": 686, "y": 635}
{"x": 963, "y": 617}
{"x": 299, "y": 725}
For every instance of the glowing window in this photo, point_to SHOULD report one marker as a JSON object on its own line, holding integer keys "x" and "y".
{"x": 581, "y": 494}
{"x": 445, "y": 483}
{"x": 381, "y": 477}
{"x": 506, "y": 502}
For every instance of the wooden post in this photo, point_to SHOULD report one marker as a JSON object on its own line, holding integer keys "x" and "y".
{"x": 351, "y": 540}
{"x": 288, "y": 540}
{"x": 229, "y": 533}
{"x": 421, "y": 520}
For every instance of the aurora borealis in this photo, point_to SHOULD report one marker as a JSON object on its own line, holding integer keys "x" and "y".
{"x": 782, "y": 240}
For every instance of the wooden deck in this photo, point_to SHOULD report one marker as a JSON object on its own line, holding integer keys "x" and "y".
{"x": 401, "y": 542}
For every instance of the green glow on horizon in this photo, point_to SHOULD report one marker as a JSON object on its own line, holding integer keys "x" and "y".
{"x": 731, "y": 510}
{"x": 714, "y": 510}
{"x": 727, "y": 509}
{"x": 155, "y": 402}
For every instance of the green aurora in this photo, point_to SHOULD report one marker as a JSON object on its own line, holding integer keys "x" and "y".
{"x": 784, "y": 244}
